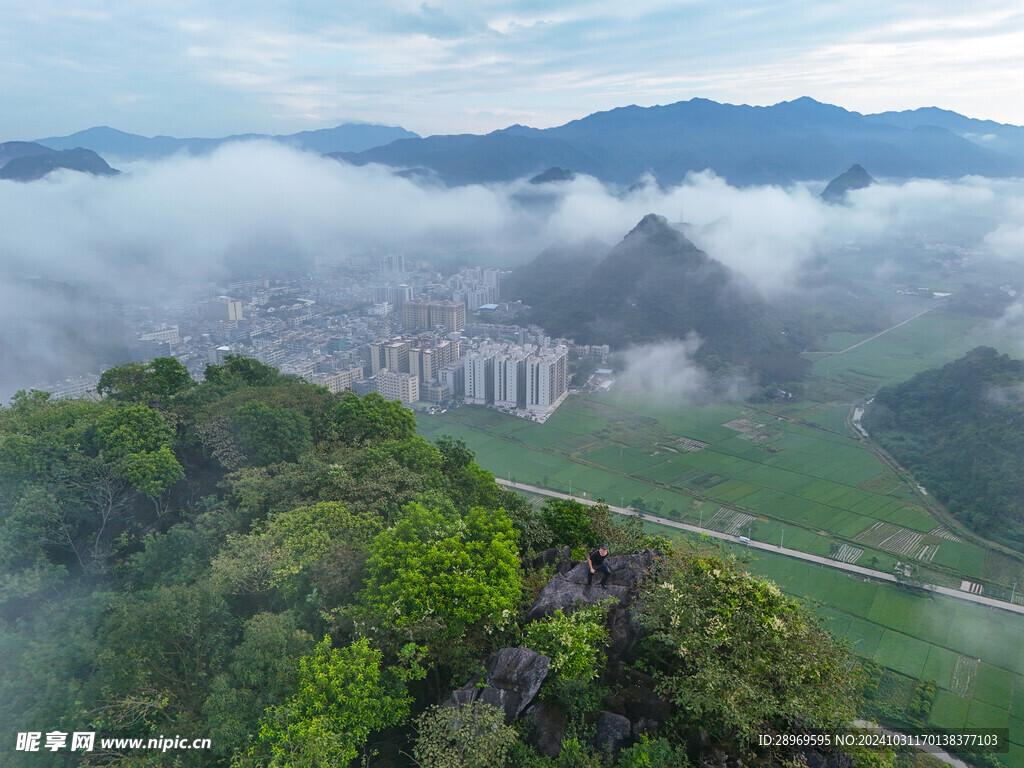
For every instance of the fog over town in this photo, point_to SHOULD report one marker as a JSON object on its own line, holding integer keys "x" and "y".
{"x": 248, "y": 206}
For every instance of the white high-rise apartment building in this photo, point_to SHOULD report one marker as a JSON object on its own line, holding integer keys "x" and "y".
{"x": 167, "y": 334}
{"x": 480, "y": 375}
{"x": 453, "y": 376}
{"x": 340, "y": 381}
{"x": 393, "y": 385}
{"x": 547, "y": 378}
{"x": 492, "y": 279}
{"x": 510, "y": 378}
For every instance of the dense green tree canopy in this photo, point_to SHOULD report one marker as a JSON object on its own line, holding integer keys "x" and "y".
{"x": 269, "y": 434}
{"x": 439, "y": 572}
{"x": 371, "y": 418}
{"x": 139, "y": 441}
{"x": 342, "y": 697}
{"x": 960, "y": 430}
{"x": 150, "y": 383}
{"x": 240, "y": 371}
{"x": 169, "y": 554}
{"x": 738, "y": 657}
{"x": 473, "y": 736}
{"x": 570, "y": 523}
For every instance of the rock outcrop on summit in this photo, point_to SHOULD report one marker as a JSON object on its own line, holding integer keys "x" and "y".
{"x": 565, "y": 593}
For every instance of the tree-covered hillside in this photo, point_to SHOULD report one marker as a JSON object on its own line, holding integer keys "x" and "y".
{"x": 960, "y": 430}
{"x": 301, "y": 579}
{"x": 656, "y": 285}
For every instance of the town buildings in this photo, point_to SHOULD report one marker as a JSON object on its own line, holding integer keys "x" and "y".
{"x": 419, "y": 314}
{"x": 393, "y": 385}
{"x": 380, "y": 324}
{"x": 529, "y": 379}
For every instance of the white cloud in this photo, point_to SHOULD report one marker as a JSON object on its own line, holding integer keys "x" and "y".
{"x": 192, "y": 218}
{"x": 196, "y": 68}
{"x": 668, "y": 374}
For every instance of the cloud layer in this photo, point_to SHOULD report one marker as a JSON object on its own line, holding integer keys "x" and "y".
{"x": 667, "y": 374}
{"x": 192, "y": 219}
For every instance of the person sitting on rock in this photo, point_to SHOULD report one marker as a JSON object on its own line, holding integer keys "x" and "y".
{"x": 595, "y": 563}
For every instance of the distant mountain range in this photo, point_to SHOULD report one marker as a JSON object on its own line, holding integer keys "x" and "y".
{"x": 791, "y": 141}
{"x": 795, "y": 140}
{"x": 351, "y": 137}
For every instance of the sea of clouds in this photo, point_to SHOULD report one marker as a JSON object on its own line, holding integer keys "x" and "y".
{"x": 194, "y": 219}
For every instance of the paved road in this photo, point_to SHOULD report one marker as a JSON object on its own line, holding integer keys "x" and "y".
{"x": 826, "y": 561}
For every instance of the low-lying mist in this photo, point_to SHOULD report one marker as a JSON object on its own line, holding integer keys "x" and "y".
{"x": 73, "y": 246}
{"x": 667, "y": 373}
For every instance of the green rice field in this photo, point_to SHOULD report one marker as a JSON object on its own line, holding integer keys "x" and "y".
{"x": 816, "y": 486}
{"x": 793, "y": 472}
{"x": 924, "y": 638}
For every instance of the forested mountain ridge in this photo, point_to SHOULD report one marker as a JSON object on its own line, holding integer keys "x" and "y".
{"x": 656, "y": 285}
{"x": 27, "y": 161}
{"x": 958, "y": 428}
{"x": 790, "y": 141}
{"x": 301, "y": 578}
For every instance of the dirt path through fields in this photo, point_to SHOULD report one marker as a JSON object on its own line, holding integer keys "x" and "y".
{"x": 882, "y": 333}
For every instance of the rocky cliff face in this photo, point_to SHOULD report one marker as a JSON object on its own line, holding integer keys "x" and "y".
{"x": 514, "y": 676}
{"x": 512, "y": 679}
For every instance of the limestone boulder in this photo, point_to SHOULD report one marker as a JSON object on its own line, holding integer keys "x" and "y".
{"x": 559, "y": 557}
{"x": 613, "y": 732}
{"x": 565, "y": 592}
{"x": 547, "y": 728}
{"x": 513, "y": 677}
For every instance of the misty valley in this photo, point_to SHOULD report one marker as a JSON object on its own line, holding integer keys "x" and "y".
{"x": 313, "y": 441}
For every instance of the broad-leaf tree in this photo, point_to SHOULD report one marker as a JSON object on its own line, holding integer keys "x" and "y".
{"x": 137, "y": 440}
{"x": 149, "y": 383}
{"x": 342, "y": 697}
{"x": 736, "y": 656}
{"x": 435, "y": 573}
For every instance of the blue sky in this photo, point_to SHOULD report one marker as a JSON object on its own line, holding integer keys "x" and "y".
{"x": 202, "y": 68}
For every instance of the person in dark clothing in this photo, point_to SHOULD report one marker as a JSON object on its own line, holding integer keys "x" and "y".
{"x": 596, "y": 562}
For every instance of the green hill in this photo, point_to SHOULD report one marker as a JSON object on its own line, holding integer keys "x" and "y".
{"x": 656, "y": 285}
{"x": 32, "y": 167}
{"x": 958, "y": 428}
{"x": 300, "y": 579}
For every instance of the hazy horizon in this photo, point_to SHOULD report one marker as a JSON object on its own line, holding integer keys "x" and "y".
{"x": 370, "y": 122}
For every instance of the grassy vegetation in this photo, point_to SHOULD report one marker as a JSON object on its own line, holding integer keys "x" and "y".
{"x": 928, "y": 341}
